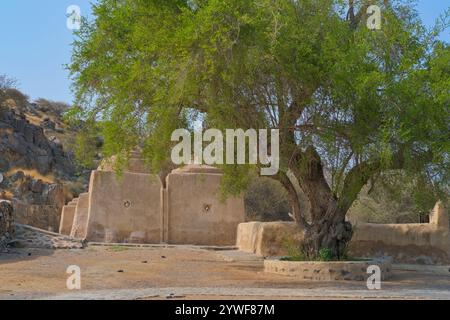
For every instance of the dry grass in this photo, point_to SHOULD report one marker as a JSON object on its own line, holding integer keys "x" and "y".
{"x": 34, "y": 174}
{"x": 7, "y": 131}
{"x": 72, "y": 189}
{"x": 10, "y": 103}
{"x": 6, "y": 195}
{"x": 35, "y": 120}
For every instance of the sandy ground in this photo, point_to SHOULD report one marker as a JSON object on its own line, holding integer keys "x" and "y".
{"x": 187, "y": 273}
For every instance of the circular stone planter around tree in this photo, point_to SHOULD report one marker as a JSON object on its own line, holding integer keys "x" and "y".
{"x": 328, "y": 271}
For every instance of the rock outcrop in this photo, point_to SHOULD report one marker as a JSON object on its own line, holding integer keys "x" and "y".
{"x": 24, "y": 145}
{"x": 34, "y": 164}
{"x": 38, "y": 203}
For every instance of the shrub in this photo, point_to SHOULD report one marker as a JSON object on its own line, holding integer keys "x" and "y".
{"x": 395, "y": 197}
{"x": 325, "y": 254}
{"x": 293, "y": 249}
{"x": 7, "y": 82}
{"x": 49, "y": 106}
{"x": 266, "y": 200}
{"x": 19, "y": 98}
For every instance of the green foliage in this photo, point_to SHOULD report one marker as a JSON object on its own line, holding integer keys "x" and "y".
{"x": 293, "y": 249}
{"x": 53, "y": 107}
{"x": 6, "y": 83}
{"x": 266, "y": 200}
{"x": 118, "y": 248}
{"x": 358, "y": 96}
{"x": 325, "y": 254}
{"x": 19, "y": 98}
{"x": 396, "y": 197}
{"x": 296, "y": 253}
{"x": 86, "y": 148}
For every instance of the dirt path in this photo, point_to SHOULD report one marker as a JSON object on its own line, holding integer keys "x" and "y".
{"x": 187, "y": 272}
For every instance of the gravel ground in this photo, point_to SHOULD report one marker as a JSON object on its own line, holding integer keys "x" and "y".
{"x": 187, "y": 273}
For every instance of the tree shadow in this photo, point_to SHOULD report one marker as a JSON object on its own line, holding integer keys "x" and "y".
{"x": 15, "y": 255}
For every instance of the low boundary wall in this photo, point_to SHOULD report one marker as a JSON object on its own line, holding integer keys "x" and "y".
{"x": 427, "y": 243}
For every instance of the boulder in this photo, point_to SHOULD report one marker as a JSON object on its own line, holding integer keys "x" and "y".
{"x": 48, "y": 124}
{"x": 19, "y": 175}
{"x": 37, "y": 186}
{"x": 38, "y": 203}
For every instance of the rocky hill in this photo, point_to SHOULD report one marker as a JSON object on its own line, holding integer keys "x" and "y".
{"x": 38, "y": 173}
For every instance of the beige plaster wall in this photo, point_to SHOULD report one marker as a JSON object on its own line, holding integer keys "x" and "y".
{"x": 267, "y": 239}
{"x": 412, "y": 243}
{"x": 81, "y": 217}
{"x": 67, "y": 216}
{"x": 426, "y": 243}
{"x": 125, "y": 209}
{"x": 135, "y": 208}
{"x": 194, "y": 212}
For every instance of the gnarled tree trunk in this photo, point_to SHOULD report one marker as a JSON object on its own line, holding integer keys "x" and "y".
{"x": 331, "y": 232}
{"x": 327, "y": 227}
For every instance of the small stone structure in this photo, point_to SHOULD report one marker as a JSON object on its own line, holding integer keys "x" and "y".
{"x": 427, "y": 243}
{"x": 328, "y": 271}
{"x": 135, "y": 207}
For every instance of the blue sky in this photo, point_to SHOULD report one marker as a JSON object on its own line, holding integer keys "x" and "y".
{"x": 35, "y": 42}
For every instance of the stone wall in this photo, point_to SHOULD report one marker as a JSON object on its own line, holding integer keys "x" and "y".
{"x": 46, "y": 217}
{"x": 328, "y": 271}
{"x": 37, "y": 203}
{"x": 408, "y": 243}
{"x": 7, "y": 230}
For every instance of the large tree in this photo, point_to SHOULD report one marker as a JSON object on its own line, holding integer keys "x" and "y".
{"x": 350, "y": 102}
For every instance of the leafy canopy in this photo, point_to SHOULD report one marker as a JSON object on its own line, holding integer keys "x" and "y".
{"x": 143, "y": 68}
